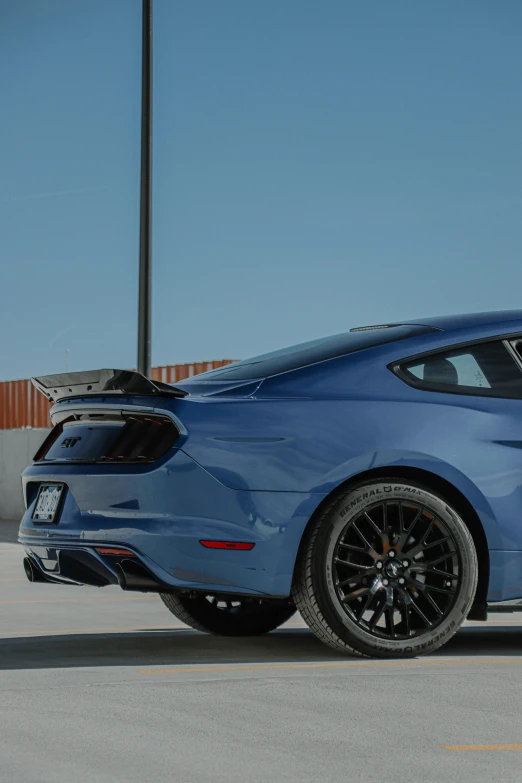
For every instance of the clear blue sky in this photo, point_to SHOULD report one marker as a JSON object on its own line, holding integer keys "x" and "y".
{"x": 318, "y": 164}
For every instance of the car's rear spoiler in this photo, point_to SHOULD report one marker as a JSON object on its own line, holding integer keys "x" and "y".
{"x": 79, "y": 384}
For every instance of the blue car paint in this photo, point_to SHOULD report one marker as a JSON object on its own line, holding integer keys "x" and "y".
{"x": 255, "y": 459}
{"x": 163, "y": 514}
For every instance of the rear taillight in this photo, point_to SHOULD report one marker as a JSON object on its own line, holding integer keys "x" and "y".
{"x": 142, "y": 439}
{"x": 51, "y": 439}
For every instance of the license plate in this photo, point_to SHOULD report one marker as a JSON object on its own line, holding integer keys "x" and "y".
{"x": 47, "y": 503}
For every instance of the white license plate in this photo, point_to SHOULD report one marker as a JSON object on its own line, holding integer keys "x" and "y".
{"x": 47, "y": 503}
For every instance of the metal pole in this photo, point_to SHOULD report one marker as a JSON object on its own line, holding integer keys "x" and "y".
{"x": 144, "y": 305}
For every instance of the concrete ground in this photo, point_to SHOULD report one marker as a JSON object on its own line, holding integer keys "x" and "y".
{"x": 9, "y": 530}
{"x": 100, "y": 686}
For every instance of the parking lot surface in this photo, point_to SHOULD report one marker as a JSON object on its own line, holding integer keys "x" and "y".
{"x": 104, "y": 686}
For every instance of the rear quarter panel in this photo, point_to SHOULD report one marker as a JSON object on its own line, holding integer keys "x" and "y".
{"x": 311, "y": 430}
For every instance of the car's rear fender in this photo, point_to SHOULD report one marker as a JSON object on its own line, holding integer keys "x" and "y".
{"x": 425, "y": 465}
{"x": 496, "y": 580}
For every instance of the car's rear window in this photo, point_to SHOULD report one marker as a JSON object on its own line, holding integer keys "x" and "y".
{"x": 314, "y": 351}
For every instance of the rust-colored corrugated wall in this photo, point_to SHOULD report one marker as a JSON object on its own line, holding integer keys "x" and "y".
{"x": 22, "y": 406}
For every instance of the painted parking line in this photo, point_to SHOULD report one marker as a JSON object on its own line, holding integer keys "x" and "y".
{"x": 482, "y": 747}
{"x": 136, "y": 628}
{"x": 332, "y": 664}
{"x": 77, "y": 600}
{"x": 493, "y": 622}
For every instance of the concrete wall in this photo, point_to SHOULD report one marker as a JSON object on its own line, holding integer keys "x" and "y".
{"x": 17, "y": 449}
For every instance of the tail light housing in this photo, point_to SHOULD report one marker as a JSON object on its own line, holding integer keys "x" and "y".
{"x": 141, "y": 438}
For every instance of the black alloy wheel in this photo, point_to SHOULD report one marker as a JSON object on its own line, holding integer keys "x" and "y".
{"x": 227, "y": 616}
{"x": 388, "y": 569}
{"x": 396, "y": 569}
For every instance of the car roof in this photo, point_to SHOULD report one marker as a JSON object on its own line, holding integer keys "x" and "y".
{"x": 434, "y": 333}
{"x": 444, "y": 332}
{"x": 495, "y": 319}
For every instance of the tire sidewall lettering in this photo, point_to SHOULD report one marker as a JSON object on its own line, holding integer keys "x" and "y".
{"x": 352, "y": 505}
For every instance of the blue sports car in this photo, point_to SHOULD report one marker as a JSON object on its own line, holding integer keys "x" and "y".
{"x": 372, "y": 480}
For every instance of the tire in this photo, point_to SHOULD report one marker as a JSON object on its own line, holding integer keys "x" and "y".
{"x": 371, "y": 551}
{"x": 227, "y": 617}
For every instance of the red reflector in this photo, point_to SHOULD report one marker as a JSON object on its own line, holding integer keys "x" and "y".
{"x": 110, "y": 550}
{"x": 227, "y": 544}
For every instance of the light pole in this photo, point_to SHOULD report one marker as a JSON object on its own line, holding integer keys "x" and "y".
{"x": 144, "y": 296}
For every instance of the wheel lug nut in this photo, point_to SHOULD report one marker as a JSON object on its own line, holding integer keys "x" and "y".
{"x": 405, "y": 563}
{"x": 378, "y": 565}
{"x": 402, "y": 581}
{"x": 391, "y": 553}
{"x": 385, "y": 582}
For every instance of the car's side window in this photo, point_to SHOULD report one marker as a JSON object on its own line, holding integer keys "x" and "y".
{"x": 487, "y": 368}
{"x": 517, "y": 347}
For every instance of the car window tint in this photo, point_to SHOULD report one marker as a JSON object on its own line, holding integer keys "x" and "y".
{"x": 517, "y": 346}
{"x": 487, "y": 368}
{"x": 314, "y": 351}
{"x": 417, "y": 371}
{"x": 469, "y": 372}
{"x": 466, "y": 366}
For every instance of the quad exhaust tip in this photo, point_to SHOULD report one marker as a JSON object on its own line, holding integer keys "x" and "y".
{"x": 32, "y": 571}
{"x": 29, "y": 570}
{"x": 134, "y": 577}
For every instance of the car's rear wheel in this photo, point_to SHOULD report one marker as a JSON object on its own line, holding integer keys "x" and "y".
{"x": 388, "y": 569}
{"x": 227, "y": 617}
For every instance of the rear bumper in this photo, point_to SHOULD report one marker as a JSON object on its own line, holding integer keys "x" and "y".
{"x": 63, "y": 563}
{"x": 162, "y": 514}
{"x": 86, "y": 566}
